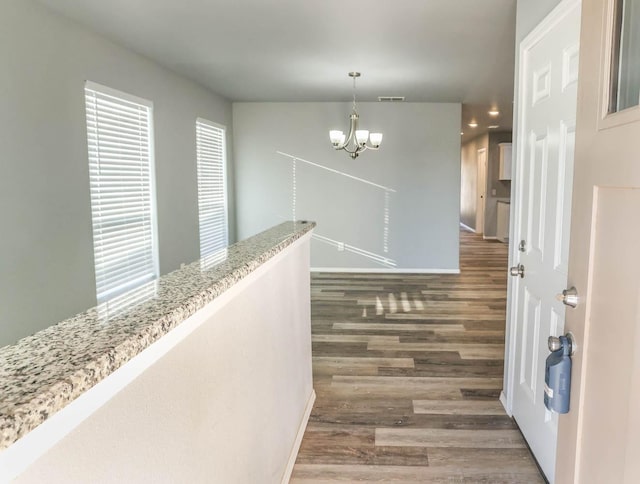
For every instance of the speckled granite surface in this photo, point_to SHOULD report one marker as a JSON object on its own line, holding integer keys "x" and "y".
{"x": 42, "y": 373}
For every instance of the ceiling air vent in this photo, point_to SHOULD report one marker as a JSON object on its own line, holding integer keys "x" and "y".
{"x": 390, "y": 99}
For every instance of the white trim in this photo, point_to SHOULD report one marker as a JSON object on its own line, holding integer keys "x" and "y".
{"x": 465, "y": 226}
{"x": 384, "y": 271}
{"x": 489, "y": 237}
{"x": 19, "y": 456}
{"x": 296, "y": 445}
{"x": 481, "y": 197}
{"x": 154, "y": 192}
{"x": 608, "y": 120}
{"x": 503, "y": 401}
{"x": 564, "y": 8}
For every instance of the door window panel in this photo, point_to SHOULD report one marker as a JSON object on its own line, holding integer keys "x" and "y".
{"x": 625, "y": 69}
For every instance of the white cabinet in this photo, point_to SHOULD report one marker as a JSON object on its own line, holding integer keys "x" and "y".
{"x": 505, "y": 161}
{"x": 502, "y": 231}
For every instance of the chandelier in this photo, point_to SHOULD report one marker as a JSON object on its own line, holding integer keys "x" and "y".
{"x": 356, "y": 141}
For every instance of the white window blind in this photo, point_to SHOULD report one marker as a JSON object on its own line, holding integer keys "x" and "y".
{"x": 212, "y": 199}
{"x": 119, "y": 132}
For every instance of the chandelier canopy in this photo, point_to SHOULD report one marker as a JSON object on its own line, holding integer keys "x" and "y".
{"x": 358, "y": 140}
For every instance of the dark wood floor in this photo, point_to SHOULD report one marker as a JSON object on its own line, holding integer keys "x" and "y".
{"x": 408, "y": 371}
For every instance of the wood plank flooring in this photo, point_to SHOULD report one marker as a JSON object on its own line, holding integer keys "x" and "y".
{"x": 408, "y": 371}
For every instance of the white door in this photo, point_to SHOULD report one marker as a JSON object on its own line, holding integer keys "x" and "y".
{"x": 546, "y": 122}
{"x": 599, "y": 439}
{"x": 482, "y": 189}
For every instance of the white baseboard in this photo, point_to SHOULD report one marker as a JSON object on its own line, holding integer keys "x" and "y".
{"x": 466, "y": 227}
{"x": 503, "y": 401}
{"x": 384, "y": 271}
{"x": 296, "y": 445}
{"x": 489, "y": 237}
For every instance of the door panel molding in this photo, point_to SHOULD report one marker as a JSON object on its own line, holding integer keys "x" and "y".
{"x": 570, "y": 65}
{"x": 565, "y": 166}
{"x": 542, "y": 85}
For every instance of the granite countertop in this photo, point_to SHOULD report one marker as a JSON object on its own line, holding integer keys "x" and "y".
{"x": 41, "y": 374}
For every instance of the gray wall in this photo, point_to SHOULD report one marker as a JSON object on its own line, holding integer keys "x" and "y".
{"x": 420, "y": 158}
{"x": 529, "y": 13}
{"x": 46, "y": 251}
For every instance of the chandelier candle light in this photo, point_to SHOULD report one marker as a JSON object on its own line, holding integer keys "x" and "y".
{"x": 356, "y": 141}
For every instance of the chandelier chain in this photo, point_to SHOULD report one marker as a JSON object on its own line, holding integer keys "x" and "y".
{"x": 354, "y": 94}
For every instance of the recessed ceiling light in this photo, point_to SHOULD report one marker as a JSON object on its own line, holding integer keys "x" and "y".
{"x": 473, "y": 125}
{"x": 461, "y": 133}
{"x": 494, "y": 112}
{"x": 391, "y": 99}
{"x": 494, "y": 126}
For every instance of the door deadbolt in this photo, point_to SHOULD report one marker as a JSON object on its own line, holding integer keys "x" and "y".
{"x": 517, "y": 271}
{"x": 569, "y": 297}
{"x": 523, "y": 246}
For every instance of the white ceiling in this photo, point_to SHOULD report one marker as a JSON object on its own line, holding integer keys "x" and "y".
{"x": 301, "y": 50}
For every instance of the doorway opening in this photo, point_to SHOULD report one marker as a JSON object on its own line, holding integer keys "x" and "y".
{"x": 485, "y": 189}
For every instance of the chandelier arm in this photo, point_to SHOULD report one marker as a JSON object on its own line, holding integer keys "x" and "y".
{"x": 350, "y": 138}
{"x": 344, "y": 146}
{"x": 353, "y": 126}
{"x": 357, "y": 150}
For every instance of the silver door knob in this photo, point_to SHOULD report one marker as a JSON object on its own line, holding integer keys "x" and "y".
{"x": 569, "y": 297}
{"x": 517, "y": 270}
{"x": 555, "y": 343}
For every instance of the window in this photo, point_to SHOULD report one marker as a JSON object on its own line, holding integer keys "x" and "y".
{"x": 625, "y": 68}
{"x": 119, "y": 128}
{"x": 212, "y": 198}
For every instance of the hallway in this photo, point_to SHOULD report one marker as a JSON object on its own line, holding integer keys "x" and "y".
{"x": 408, "y": 372}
